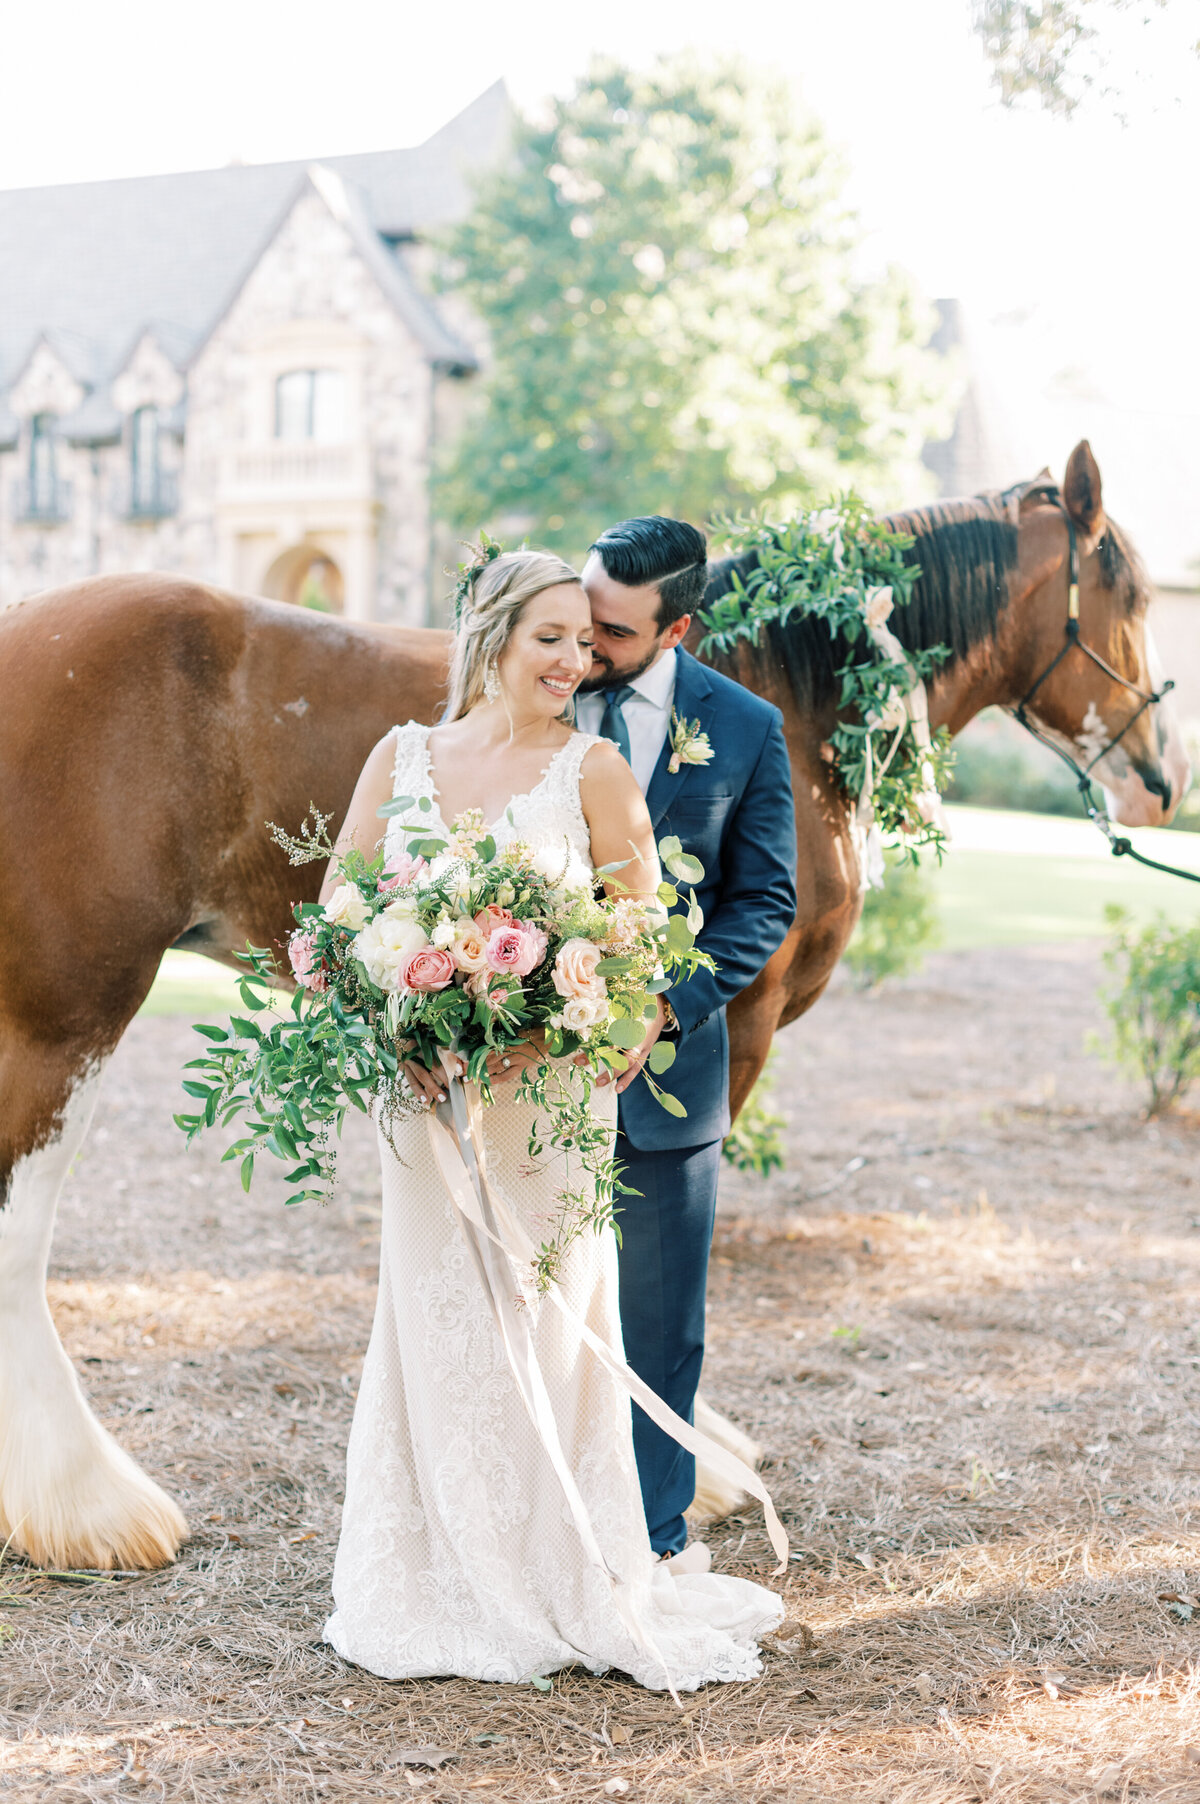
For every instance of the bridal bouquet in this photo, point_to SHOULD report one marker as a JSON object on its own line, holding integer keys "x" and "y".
{"x": 452, "y": 951}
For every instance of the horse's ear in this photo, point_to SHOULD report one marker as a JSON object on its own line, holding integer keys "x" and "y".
{"x": 1081, "y": 491}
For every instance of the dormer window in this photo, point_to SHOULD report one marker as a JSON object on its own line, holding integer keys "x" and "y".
{"x": 144, "y": 485}
{"x": 39, "y": 496}
{"x": 43, "y": 468}
{"x": 311, "y": 404}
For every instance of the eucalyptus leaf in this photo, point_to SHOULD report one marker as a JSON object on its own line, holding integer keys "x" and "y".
{"x": 397, "y": 805}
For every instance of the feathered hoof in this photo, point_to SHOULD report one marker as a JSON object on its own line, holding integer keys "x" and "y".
{"x": 716, "y": 1496}
{"x": 108, "y": 1517}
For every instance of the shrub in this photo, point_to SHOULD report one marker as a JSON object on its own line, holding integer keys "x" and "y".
{"x": 899, "y": 925}
{"x": 1154, "y": 1004}
{"x": 992, "y": 772}
{"x": 753, "y": 1143}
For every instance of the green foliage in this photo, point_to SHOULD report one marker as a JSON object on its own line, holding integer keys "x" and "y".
{"x": 753, "y": 1143}
{"x": 292, "y": 1076}
{"x": 995, "y": 766}
{"x": 1154, "y": 1004}
{"x": 1053, "y": 50}
{"x": 665, "y": 270}
{"x": 899, "y": 925}
{"x": 833, "y": 565}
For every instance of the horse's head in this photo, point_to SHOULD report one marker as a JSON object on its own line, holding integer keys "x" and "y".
{"x": 1099, "y": 716}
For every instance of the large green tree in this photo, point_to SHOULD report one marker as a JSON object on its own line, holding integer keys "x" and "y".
{"x": 1053, "y": 52}
{"x": 668, "y": 277}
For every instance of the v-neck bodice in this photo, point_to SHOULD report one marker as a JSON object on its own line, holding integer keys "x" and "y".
{"x": 548, "y": 817}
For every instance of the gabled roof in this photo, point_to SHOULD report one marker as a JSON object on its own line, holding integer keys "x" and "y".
{"x": 89, "y": 265}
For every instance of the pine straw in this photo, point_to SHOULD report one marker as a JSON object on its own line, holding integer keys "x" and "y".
{"x": 982, "y": 1412}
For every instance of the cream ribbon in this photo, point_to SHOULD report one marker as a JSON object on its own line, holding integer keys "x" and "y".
{"x": 495, "y": 1238}
{"x": 912, "y": 708}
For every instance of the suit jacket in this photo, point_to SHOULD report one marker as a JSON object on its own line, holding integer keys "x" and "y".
{"x": 735, "y": 814}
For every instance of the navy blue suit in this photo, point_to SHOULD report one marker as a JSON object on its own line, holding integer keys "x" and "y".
{"x": 735, "y": 814}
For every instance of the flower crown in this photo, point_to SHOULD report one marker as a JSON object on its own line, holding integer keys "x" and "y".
{"x": 482, "y": 555}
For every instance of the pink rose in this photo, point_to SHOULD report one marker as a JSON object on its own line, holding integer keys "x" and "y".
{"x": 518, "y": 949}
{"x": 309, "y": 971}
{"x": 430, "y": 968}
{"x": 575, "y": 969}
{"x": 407, "y": 870}
{"x": 491, "y": 917}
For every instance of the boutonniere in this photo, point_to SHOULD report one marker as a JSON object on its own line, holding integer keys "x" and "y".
{"x": 688, "y": 744}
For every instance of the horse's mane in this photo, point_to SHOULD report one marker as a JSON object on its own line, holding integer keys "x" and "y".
{"x": 965, "y": 552}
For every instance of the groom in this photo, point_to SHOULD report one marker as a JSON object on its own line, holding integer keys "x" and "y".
{"x": 644, "y": 579}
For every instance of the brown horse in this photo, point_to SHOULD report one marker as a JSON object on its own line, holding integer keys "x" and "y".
{"x": 151, "y": 726}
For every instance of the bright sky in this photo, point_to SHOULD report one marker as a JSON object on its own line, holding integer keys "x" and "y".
{"x": 1083, "y": 234}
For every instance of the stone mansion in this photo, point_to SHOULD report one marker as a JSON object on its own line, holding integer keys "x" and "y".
{"x": 238, "y": 374}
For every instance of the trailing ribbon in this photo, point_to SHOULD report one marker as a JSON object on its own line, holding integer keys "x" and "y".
{"x": 495, "y": 1238}
{"x": 902, "y": 711}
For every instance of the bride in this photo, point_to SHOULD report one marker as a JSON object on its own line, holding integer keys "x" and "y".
{"x": 458, "y": 1554}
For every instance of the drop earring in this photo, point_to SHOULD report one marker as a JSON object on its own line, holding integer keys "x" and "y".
{"x": 491, "y": 684}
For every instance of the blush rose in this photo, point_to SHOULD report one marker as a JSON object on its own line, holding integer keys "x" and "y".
{"x": 493, "y": 916}
{"x": 431, "y": 968}
{"x": 575, "y": 970}
{"x": 517, "y": 949}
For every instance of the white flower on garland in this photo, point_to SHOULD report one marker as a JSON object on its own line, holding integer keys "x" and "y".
{"x": 877, "y": 605}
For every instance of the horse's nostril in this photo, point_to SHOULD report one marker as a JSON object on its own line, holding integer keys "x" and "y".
{"x": 1158, "y": 783}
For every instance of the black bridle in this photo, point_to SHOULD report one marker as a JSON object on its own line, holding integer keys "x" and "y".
{"x": 1147, "y": 698}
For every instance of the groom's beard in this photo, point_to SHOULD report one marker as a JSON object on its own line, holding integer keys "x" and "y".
{"x": 607, "y": 675}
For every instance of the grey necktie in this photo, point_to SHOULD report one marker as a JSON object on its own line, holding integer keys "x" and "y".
{"x": 613, "y": 724}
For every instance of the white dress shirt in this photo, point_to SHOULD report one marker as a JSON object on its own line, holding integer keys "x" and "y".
{"x": 647, "y": 715}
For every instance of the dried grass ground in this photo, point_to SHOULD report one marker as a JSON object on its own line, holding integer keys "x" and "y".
{"x": 963, "y": 1323}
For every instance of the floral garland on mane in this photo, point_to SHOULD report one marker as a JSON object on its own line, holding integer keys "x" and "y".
{"x": 840, "y": 565}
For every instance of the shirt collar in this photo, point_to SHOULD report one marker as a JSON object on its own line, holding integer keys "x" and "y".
{"x": 657, "y": 685}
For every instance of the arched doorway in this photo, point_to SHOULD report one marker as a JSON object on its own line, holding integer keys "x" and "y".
{"x": 308, "y": 577}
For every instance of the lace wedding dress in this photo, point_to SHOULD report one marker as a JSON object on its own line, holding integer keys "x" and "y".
{"x": 458, "y": 1554}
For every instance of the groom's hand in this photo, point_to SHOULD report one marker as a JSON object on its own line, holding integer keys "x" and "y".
{"x": 639, "y": 1055}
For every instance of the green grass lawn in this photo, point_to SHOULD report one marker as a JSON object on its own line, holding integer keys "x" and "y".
{"x": 1007, "y": 880}
{"x": 1011, "y": 879}
{"x": 187, "y": 985}
{"x": 995, "y": 899}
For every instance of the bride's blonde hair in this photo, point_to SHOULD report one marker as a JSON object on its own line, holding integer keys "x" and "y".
{"x": 495, "y": 601}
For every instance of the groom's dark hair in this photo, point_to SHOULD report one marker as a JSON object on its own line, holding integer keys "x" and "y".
{"x": 653, "y": 549}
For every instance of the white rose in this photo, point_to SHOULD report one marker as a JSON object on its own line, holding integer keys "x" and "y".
{"x": 506, "y": 895}
{"x": 346, "y": 908}
{"x": 583, "y": 1012}
{"x": 385, "y": 946}
{"x": 445, "y": 933}
{"x": 878, "y": 605}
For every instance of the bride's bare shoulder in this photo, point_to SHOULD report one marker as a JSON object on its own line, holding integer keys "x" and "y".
{"x": 606, "y": 781}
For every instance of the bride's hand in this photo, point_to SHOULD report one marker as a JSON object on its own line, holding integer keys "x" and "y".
{"x": 423, "y": 1083}
{"x": 503, "y": 1067}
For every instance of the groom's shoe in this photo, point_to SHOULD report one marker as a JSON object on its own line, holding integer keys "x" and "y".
{"x": 695, "y": 1557}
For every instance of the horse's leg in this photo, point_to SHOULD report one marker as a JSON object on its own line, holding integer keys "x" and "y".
{"x": 69, "y": 1495}
{"x": 752, "y": 1019}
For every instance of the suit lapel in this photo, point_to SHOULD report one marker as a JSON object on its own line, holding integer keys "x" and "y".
{"x": 691, "y": 702}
